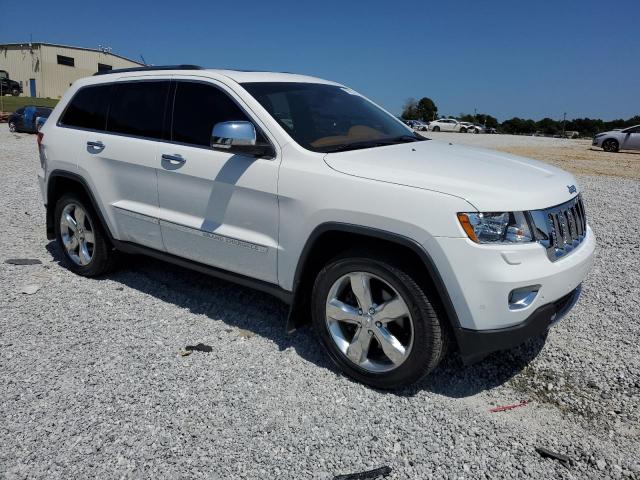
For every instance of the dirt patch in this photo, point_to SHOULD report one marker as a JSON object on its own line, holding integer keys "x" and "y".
{"x": 581, "y": 160}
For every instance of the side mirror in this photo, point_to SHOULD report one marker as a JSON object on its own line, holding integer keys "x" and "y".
{"x": 239, "y": 137}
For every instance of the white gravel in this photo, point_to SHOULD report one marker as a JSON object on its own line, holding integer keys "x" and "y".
{"x": 93, "y": 384}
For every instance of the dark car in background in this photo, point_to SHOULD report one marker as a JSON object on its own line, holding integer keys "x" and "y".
{"x": 8, "y": 86}
{"x": 28, "y": 119}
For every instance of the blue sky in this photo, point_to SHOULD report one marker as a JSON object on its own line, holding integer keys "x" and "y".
{"x": 506, "y": 58}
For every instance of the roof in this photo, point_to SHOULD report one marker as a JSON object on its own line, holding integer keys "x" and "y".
{"x": 244, "y": 76}
{"x": 26, "y": 44}
{"x": 239, "y": 76}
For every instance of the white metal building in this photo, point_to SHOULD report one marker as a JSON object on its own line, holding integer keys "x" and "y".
{"x": 47, "y": 70}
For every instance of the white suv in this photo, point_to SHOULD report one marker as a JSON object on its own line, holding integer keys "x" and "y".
{"x": 393, "y": 246}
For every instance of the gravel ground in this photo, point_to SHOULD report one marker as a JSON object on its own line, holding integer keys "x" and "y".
{"x": 93, "y": 384}
{"x": 576, "y": 156}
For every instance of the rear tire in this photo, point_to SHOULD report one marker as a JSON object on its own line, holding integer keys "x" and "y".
{"x": 15, "y": 92}
{"x": 82, "y": 238}
{"x": 610, "y": 145}
{"x": 436, "y": 129}
{"x": 385, "y": 352}
{"x": 12, "y": 127}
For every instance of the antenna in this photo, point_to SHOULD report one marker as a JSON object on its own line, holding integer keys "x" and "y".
{"x": 143, "y": 60}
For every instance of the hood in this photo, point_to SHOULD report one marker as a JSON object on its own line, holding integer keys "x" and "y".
{"x": 489, "y": 180}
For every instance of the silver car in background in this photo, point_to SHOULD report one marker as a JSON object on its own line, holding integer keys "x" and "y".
{"x": 625, "y": 139}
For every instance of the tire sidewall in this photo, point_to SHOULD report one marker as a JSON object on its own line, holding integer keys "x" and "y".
{"x": 100, "y": 251}
{"x": 424, "y": 351}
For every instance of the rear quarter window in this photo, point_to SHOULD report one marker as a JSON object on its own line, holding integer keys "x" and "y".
{"x": 88, "y": 108}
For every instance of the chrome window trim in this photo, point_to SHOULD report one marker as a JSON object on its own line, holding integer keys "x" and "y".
{"x": 171, "y": 98}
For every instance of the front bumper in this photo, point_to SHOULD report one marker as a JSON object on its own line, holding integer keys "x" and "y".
{"x": 480, "y": 279}
{"x": 474, "y": 345}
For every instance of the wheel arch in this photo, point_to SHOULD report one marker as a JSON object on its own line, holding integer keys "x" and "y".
{"x": 61, "y": 182}
{"x": 329, "y": 239}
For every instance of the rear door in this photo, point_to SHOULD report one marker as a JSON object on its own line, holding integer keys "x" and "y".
{"x": 120, "y": 157}
{"x": 216, "y": 207}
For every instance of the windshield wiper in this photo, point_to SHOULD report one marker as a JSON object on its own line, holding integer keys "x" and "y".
{"x": 380, "y": 142}
{"x": 343, "y": 147}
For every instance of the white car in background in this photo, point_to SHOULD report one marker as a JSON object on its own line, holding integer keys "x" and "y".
{"x": 447, "y": 125}
{"x": 420, "y": 126}
{"x": 473, "y": 128}
{"x": 626, "y": 139}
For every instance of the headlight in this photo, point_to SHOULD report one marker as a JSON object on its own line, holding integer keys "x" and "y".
{"x": 496, "y": 227}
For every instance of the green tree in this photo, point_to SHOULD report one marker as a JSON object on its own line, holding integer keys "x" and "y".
{"x": 410, "y": 109}
{"x": 518, "y": 125}
{"x": 549, "y": 126}
{"x": 426, "y": 109}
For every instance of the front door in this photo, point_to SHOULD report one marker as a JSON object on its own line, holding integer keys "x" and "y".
{"x": 631, "y": 139}
{"x": 32, "y": 87}
{"x": 216, "y": 208}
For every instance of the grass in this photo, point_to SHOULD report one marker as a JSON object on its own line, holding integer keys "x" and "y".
{"x": 11, "y": 104}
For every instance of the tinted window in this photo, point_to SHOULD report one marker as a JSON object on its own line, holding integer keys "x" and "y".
{"x": 197, "y": 108}
{"x": 103, "y": 67}
{"x": 68, "y": 61}
{"x": 20, "y": 111}
{"x": 138, "y": 108}
{"x": 88, "y": 108}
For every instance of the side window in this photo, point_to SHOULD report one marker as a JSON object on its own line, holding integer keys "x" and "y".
{"x": 197, "y": 107}
{"x": 20, "y": 111}
{"x": 88, "y": 108}
{"x": 137, "y": 108}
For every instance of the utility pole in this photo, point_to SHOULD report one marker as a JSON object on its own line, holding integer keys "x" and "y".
{"x": 475, "y": 115}
{"x": 564, "y": 119}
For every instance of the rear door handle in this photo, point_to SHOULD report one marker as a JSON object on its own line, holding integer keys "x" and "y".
{"x": 174, "y": 159}
{"x": 95, "y": 147}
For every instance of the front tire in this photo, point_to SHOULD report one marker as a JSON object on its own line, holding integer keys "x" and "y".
{"x": 376, "y": 323}
{"x": 436, "y": 129}
{"x": 12, "y": 127}
{"x": 463, "y": 130}
{"x": 610, "y": 145}
{"x": 82, "y": 238}
{"x": 15, "y": 92}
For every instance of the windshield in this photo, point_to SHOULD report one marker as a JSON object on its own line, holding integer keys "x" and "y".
{"x": 329, "y": 118}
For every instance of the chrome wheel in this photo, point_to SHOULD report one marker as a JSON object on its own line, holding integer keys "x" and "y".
{"x": 77, "y": 233}
{"x": 369, "y": 322}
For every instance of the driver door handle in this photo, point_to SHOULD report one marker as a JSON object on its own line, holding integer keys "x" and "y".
{"x": 173, "y": 158}
{"x": 95, "y": 147}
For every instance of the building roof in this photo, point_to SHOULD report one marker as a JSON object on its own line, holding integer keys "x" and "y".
{"x": 27, "y": 44}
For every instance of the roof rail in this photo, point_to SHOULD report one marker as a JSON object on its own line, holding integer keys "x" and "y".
{"x": 150, "y": 69}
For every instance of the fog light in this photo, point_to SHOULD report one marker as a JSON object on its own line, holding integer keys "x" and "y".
{"x": 520, "y": 298}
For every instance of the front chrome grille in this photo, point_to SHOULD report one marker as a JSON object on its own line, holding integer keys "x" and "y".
{"x": 560, "y": 229}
